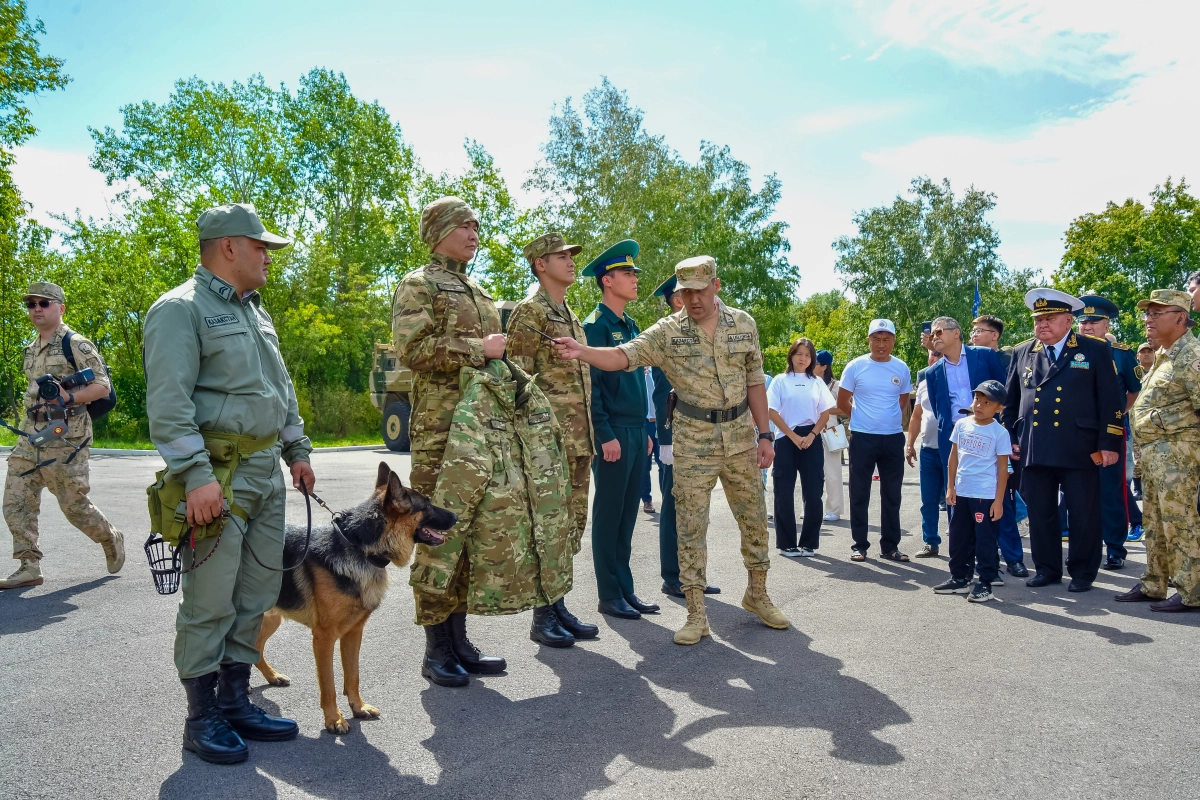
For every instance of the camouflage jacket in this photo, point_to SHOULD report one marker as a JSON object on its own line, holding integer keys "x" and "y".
{"x": 439, "y": 319}
{"x": 567, "y": 383}
{"x": 1170, "y": 399}
{"x": 505, "y": 475}
{"x": 49, "y": 359}
{"x": 708, "y": 372}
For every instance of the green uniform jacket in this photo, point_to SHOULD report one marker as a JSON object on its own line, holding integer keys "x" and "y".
{"x": 1168, "y": 409}
{"x": 618, "y": 398}
{"x": 505, "y": 475}
{"x": 213, "y": 364}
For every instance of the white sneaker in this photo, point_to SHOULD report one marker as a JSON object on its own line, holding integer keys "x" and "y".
{"x": 804, "y": 552}
{"x": 831, "y": 517}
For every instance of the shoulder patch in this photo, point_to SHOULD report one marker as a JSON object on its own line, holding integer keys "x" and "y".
{"x": 83, "y": 346}
{"x": 1120, "y": 346}
{"x": 221, "y": 320}
{"x": 1095, "y": 338}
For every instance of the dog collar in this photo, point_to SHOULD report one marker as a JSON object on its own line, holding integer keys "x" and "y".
{"x": 378, "y": 561}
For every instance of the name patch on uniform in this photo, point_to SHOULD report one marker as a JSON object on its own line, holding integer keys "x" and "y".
{"x": 618, "y": 336}
{"x": 739, "y": 337}
{"x": 498, "y": 425}
{"x": 452, "y": 287}
{"x": 553, "y": 318}
{"x": 224, "y": 319}
{"x": 685, "y": 340}
{"x": 538, "y": 419}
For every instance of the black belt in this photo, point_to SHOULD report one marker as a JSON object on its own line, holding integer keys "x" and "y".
{"x": 714, "y": 415}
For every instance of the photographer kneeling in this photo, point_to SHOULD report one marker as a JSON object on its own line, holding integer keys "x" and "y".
{"x": 52, "y": 460}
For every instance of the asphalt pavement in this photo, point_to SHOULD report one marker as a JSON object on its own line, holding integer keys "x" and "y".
{"x": 880, "y": 688}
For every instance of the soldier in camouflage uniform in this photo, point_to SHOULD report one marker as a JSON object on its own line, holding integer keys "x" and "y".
{"x": 568, "y": 386}
{"x": 1166, "y": 432}
{"x": 711, "y": 356}
{"x": 68, "y": 482}
{"x": 443, "y": 321}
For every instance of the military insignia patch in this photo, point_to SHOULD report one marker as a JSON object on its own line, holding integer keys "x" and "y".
{"x": 692, "y": 340}
{"x": 618, "y": 336}
{"x": 220, "y": 321}
{"x": 538, "y": 419}
{"x": 553, "y": 318}
{"x": 499, "y": 425}
{"x": 1079, "y": 356}
{"x": 895, "y": 380}
{"x": 452, "y": 287}
{"x": 1080, "y": 364}
{"x": 84, "y": 347}
{"x": 739, "y": 337}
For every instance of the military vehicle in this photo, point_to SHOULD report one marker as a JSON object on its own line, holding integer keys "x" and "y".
{"x": 391, "y": 384}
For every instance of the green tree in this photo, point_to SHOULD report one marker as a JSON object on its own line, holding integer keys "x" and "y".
{"x": 1127, "y": 250}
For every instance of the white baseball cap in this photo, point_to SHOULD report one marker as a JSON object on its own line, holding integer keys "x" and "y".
{"x": 882, "y": 326}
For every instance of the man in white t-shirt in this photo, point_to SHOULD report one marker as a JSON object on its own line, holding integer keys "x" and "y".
{"x": 874, "y": 391}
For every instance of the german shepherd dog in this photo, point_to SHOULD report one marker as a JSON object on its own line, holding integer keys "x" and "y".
{"x": 344, "y": 578}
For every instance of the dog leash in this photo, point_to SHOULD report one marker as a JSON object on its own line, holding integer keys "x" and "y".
{"x": 307, "y": 539}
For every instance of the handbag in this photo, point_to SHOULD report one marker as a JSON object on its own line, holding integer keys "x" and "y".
{"x": 835, "y": 439}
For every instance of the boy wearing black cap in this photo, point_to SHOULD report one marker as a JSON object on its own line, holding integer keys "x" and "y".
{"x": 977, "y": 479}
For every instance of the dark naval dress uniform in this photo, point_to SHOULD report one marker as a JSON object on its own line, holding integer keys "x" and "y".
{"x": 1061, "y": 412}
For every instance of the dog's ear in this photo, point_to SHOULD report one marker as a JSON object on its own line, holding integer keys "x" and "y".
{"x": 384, "y": 472}
{"x": 396, "y": 493}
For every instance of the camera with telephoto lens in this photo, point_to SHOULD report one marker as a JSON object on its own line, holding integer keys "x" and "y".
{"x": 50, "y": 387}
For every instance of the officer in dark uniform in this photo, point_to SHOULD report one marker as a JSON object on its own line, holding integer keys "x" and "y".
{"x": 668, "y": 537}
{"x": 1066, "y": 422}
{"x": 1117, "y": 508}
{"x": 619, "y": 421}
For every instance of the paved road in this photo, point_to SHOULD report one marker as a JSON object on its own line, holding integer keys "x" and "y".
{"x": 881, "y": 689}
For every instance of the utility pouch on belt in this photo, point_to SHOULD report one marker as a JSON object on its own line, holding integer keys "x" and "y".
{"x": 167, "y": 496}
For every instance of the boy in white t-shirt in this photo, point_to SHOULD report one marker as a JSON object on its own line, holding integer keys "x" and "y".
{"x": 977, "y": 476}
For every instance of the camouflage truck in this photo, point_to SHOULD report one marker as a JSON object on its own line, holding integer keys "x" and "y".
{"x": 391, "y": 384}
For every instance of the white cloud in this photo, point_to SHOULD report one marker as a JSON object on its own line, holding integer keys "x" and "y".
{"x": 58, "y": 182}
{"x": 842, "y": 117}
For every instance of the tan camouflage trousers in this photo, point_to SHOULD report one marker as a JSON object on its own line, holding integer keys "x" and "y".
{"x": 68, "y": 483}
{"x": 741, "y": 479}
{"x": 1170, "y": 478}
{"x": 581, "y": 480}
{"x": 433, "y": 609}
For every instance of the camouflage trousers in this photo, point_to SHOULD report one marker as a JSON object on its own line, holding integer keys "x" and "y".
{"x": 68, "y": 483}
{"x": 431, "y": 608}
{"x": 580, "y": 468}
{"x": 1170, "y": 479}
{"x": 741, "y": 479}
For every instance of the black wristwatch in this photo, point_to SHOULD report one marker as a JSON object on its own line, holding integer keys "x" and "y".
{"x": 70, "y": 398}
{"x": 768, "y": 436}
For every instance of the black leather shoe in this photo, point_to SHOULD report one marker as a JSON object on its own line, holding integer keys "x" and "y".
{"x": 440, "y": 665}
{"x": 468, "y": 655}
{"x": 1079, "y": 586}
{"x": 1018, "y": 570}
{"x": 1136, "y": 595}
{"x": 206, "y": 733}
{"x": 1174, "y": 605}
{"x": 643, "y": 608}
{"x": 1041, "y": 580}
{"x": 545, "y": 629}
{"x": 574, "y": 626}
{"x": 1112, "y": 562}
{"x": 618, "y": 608}
{"x": 672, "y": 590}
{"x": 711, "y": 590}
{"x": 250, "y": 721}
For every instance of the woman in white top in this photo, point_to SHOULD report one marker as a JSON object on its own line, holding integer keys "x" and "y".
{"x": 799, "y": 404}
{"x": 835, "y": 498}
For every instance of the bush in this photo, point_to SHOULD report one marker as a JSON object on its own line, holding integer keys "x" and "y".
{"x": 338, "y": 412}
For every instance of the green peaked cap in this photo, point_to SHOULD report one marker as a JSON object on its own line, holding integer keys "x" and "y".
{"x": 619, "y": 256}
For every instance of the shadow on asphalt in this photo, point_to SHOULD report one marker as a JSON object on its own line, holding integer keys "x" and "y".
{"x": 23, "y": 612}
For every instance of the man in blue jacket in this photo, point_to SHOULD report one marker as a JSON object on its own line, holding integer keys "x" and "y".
{"x": 949, "y": 383}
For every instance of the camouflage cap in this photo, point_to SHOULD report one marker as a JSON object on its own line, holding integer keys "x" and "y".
{"x": 442, "y": 216}
{"x": 1145, "y": 346}
{"x": 696, "y": 272}
{"x": 237, "y": 219}
{"x": 1167, "y": 297}
{"x": 50, "y": 291}
{"x": 548, "y": 243}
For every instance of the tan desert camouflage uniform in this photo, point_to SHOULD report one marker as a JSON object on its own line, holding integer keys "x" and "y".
{"x": 505, "y": 477}
{"x": 566, "y": 383}
{"x": 67, "y": 482}
{"x": 1166, "y": 432}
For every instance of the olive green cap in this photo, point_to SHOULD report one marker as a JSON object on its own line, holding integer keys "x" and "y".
{"x": 237, "y": 219}
{"x": 50, "y": 291}
{"x": 1167, "y": 297}
{"x": 549, "y": 243}
{"x": 696, "y": 272}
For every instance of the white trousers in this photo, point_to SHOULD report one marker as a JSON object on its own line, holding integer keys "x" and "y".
{"x": 834, "y": 501}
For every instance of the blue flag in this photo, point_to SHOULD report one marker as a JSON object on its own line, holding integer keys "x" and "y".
{"x": 978, "y": 301}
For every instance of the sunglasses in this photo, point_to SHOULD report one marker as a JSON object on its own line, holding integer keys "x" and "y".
{"x": 38, "y": 303}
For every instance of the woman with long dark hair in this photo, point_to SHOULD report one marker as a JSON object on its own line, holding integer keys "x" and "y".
{"x": 799, "y": 404}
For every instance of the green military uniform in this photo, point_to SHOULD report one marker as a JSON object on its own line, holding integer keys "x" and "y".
{"x": 1166, "y": 432}
{"x": 67, "y": 476}
{"x": 618, "y": 414}
{"x": 713, "y": 435}
{"x": 213, "y": 366}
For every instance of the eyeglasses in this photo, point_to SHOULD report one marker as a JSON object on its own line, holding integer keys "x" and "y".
{"x": 977, "y": 331}
{"x": 1149, "y": 315}
{"x": 38, "y": 303}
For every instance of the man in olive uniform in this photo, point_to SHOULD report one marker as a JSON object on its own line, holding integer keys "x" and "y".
{"x": 443, "y": 321}
{"x": 1065, "y": 420}
{"x": 711, "y": 356}
{"x": 66, "y": 473}
{"x": 1166, "y": 431}
{"x": 215, "y": 378}
{"x": 1117, "y": 509}
{"x": 568, "y": 387}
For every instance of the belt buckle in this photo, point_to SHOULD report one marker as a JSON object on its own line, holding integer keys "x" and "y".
{"x": 712, "y": 416}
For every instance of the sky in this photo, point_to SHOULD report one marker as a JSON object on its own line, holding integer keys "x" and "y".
{"x": 1055, "y": 106}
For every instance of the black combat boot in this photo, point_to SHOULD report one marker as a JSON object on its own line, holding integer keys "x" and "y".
{"x": 441, "y": 665}
{"x": 468, "y": 655}
{"x": 206, "y": 733}
{"x": 250, "y": 721}
{"x": 546, "y": 629}
{"x": 572, "y": 624}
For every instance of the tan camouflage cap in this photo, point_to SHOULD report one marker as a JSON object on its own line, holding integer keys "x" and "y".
{"x": 442, "y": 216}
{"x": 696, "y": 272}
{"x": 50, "y": 291}
{"x": 1167, "y": 297}
{"x": 237, "y": 219}
{"x": 552, "y": 242}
